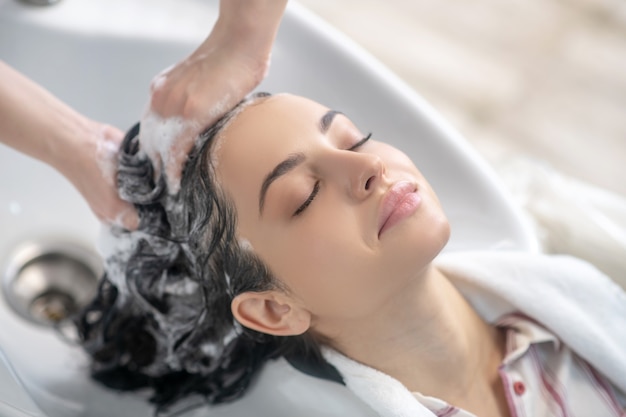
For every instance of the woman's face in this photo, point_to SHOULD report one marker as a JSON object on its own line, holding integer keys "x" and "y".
{"x": 313, "y": 206}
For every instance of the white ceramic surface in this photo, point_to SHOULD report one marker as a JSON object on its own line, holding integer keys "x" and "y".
{"x": 99, "y": 56}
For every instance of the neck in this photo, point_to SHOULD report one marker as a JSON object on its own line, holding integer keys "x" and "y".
{"x": 428, "y": 337}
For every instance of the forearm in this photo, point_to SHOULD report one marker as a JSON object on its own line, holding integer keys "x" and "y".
{"x": 36, "y": 123}
{"x": 248, "y": 25}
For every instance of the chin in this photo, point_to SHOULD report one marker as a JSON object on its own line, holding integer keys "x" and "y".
{"x": 443, "y": 234}
{"x": 433, "y": 229}
{"x": 421, "y": 239}
{"x": 435, "y": 236}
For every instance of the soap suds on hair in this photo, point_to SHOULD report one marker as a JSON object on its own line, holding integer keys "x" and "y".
{"x": 151, "y": 273}
{"x": 163, "y": 306}
{"x": 116, "y": 246}
{"x": 219, "y": 139}
{"x": 158, "y": 135}
{"x": 245, "y": 244}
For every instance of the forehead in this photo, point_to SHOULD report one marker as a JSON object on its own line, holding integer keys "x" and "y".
{"x": 261, "y": 136}
{"x": 266, "y": 131}
{"x": 273, "y": 117}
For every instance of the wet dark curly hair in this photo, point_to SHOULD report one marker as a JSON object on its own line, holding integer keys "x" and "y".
{"x": 161, "y": 318}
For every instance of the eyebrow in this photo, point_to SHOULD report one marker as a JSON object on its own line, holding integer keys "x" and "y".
{"x": 293, "y": 160}
{"x": 327, "y": 119}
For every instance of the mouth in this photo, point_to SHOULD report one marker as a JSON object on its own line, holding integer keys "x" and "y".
{"x": 398, "y": 203}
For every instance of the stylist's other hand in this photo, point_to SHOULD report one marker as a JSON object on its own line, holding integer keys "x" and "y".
{"x": 199, "y": 90}
{"x": 226, "y": 67}
{"x": 36, "y": 123}
{"x": 93, "y": 171}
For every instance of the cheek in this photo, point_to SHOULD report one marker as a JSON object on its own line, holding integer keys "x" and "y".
{"x": 320, "y": 260}
{"x": 312, "y": 262}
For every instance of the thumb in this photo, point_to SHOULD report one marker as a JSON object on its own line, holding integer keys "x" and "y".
{"x": 127, "y": 217}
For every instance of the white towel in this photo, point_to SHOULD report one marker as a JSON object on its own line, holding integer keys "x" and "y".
{"x": 574, "y": 300}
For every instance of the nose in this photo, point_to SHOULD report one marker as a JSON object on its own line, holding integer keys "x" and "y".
{"x": 361, "y": 173}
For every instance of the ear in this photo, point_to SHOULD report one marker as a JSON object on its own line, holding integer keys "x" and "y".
{"x": 270, "y": 312}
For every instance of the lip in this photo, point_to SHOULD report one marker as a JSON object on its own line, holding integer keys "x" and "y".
{"x": 398, "y": 203}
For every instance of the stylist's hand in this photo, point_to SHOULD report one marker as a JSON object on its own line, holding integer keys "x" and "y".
{"x": 228, "y": 65}
{"x": 36, "y": 123}
{"x": 200, "y": 90}
{"x": 92, "y": 168}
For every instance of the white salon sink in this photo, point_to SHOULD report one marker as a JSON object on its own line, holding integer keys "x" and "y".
{"x": 99, "y": 56}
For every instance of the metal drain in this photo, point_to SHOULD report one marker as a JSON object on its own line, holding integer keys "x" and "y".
{"x": 47, "y": 282}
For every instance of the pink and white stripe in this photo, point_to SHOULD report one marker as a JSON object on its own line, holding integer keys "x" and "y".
{"x": 542, "y": 377}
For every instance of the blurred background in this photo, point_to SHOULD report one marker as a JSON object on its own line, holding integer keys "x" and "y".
{"x": 544, "y": 79}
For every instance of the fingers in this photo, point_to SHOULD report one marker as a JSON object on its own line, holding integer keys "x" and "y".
{"x": 157, "y": 82}
{"x": 175, "y": 164}
{"x": 128, "y": 218}
{"x": 121, "y": 214}
{"x": 110, "y": 209}
{"x": 108, "y": 141}
{"x": 96, "y": 181}
{"x": 189, "y": 97}
{"x": 178, "y": 156}
{"x": 168, "y": 95}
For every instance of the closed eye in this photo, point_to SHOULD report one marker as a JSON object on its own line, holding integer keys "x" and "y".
{"x": 360, "y": 143}
{"x": 309, "y": 200}
{"x": 316, "y": 187}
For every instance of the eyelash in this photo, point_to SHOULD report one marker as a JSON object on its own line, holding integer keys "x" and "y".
{"x": 361, "y": 142}
{"x": 308, "y": 201}
{"x": 316, "y": 187}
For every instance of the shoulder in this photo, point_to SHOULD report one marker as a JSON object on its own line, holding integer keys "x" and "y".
{"x": 521, "y": 265}
{"x": 497, "y": 283}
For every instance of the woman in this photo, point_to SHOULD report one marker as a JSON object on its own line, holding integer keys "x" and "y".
{"x": 293, "y": 230}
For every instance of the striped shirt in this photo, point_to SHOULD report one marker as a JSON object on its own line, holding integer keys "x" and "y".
{"x": 544, "y": 378}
